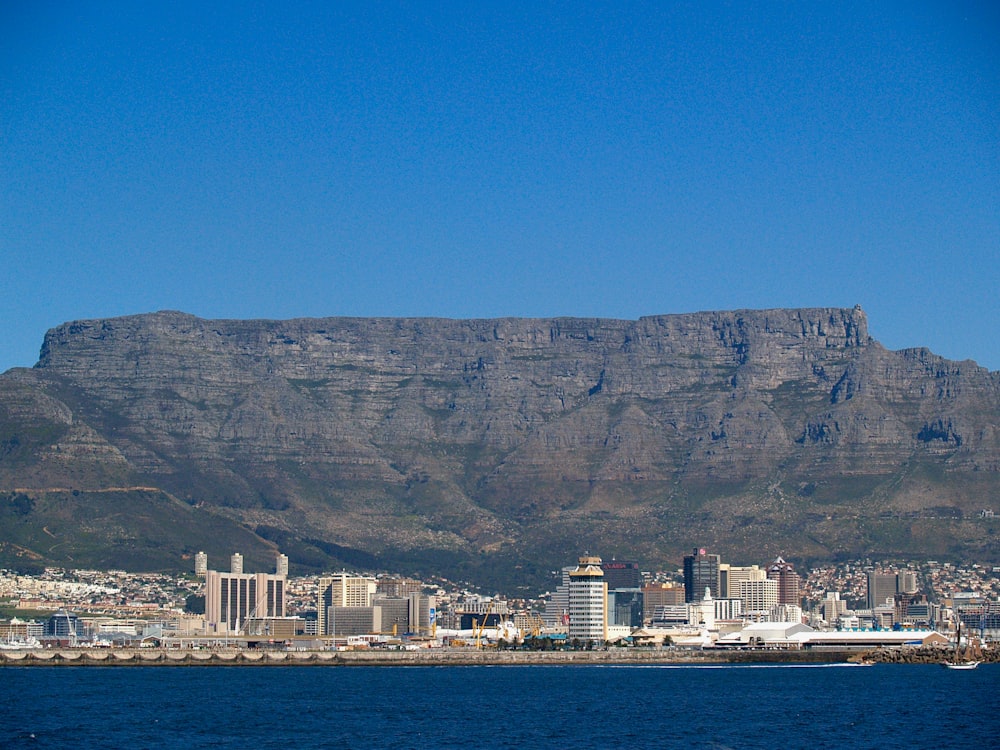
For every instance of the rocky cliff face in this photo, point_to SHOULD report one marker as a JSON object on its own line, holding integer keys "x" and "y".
{"x": 472, "y": 445}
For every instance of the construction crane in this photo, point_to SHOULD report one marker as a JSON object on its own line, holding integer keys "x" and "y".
{"x": 535, "y": 624}
{"x": 477, "y": 628}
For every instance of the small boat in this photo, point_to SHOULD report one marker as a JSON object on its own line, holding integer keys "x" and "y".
{"x": 959, "y": 663}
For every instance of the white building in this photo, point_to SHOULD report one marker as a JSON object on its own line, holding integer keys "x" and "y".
{"x": 759, "y": 596}
{"x": 588, "y": 602}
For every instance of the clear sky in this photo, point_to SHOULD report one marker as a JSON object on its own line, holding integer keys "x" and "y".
{"x": 619, "y": 159}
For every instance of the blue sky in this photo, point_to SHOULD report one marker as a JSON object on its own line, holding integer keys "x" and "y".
{"x": 251, "y": 160}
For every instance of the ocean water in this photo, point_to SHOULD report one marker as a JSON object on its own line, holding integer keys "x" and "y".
{"x": 883, "y": 707}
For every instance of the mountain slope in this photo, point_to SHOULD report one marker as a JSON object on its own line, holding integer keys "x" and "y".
{"x": 468, "y": 447}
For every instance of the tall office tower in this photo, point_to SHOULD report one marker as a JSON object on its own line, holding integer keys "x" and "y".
{"x": 200, "y": 564}
{"x": 881, "y": 586}
{"x": 281, "y": 566}
{"x": 557, "y": 608}
{"x": 759, "y": 596}
{"x": 701, "y": 571}
{"x": 788, "y": 582}
{"x": 833, "y": 607}
{"x": 341, "y": 590}
{"x": 621, "y": 575}
{"x": 233, "y": 598}
{"x": 236, "y": 563}
{"x": 908, "y": 582}
{"x": 588, "y": 601}
{"x": 730, "y": 577}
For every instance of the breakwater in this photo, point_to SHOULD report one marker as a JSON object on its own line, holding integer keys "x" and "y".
{"x": 381, "y": 657}
{"x": 927, "y": 655}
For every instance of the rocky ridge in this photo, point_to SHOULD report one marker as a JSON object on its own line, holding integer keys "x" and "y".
{"x": 470, "y": 446}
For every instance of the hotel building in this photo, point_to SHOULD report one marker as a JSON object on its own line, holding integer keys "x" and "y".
{"x": 341, "y": 590}
{"x": 235, "y": 597}
{"x": 588, "y": 602}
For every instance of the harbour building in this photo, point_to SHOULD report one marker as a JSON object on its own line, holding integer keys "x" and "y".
{"x": 588, "y": 602}
{"x": 233, "y": 598}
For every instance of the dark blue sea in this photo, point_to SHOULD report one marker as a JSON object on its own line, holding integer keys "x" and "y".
{"x": 884, "y": 707}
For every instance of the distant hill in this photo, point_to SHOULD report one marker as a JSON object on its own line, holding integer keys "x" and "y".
{"x": 492, "y": 451}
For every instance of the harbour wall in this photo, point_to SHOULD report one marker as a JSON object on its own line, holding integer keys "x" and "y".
{"x": 421, "y": 657}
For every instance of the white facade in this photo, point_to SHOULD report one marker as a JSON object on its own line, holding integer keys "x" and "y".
{"x": 759, "y": 596}
{"x": 588, "y": 601}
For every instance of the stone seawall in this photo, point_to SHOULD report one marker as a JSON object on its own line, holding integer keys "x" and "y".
{"x": 423, "y": 657}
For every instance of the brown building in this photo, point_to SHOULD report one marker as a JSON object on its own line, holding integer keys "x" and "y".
{"x": 788, "y": 582}
{"x": 659, "y": 595}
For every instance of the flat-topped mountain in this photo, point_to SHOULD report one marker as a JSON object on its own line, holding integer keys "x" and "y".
{"x": 492, "y": 450}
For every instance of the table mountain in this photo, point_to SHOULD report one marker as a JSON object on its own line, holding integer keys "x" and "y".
{"x": 492, "y": 450}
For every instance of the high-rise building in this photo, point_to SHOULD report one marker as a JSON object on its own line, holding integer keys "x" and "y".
{"x": 759, "y": 596}
{"x": 342, "y": 590}
{"x": 557, "y": 608}
{"x": 788, "y": 582}
{"x": 833, "y": 607}
{"x": 701, "y": 571}
{"x": 233, "y": 598}
{"x": 881, "y": 587}
{"x": 236, "y": 563}
{"x": 658, "y": 595}
{"x": 588, "y": 602}
{"x": 395, "y": 614}
{"x": 625, "y": 607}
{"x": 730, "y": 577}
{"x": 621, "y": 575}
{"x": 200, "y": 564}
{"x": 281, "y": 566}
